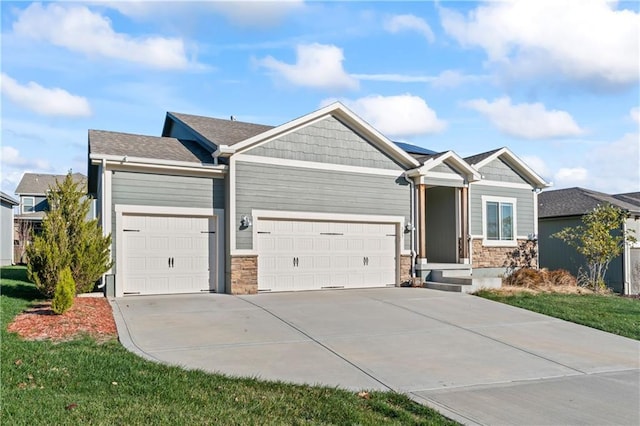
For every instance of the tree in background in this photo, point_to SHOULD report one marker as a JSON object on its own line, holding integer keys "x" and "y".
{"x": 600, "y": 239}
{"x": 68, "y": 239}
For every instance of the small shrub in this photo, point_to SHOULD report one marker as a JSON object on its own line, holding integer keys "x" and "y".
{"x": 65, "y": 293}
{"x": 561, "y": 277}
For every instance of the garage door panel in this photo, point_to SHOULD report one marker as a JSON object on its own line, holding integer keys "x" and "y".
{"x": 305, "y": 255}
{"x": 165, "y": 255}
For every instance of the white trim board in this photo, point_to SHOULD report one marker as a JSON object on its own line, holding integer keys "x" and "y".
{"x": 501, "y": 184}
{"x": 247, "y": 158}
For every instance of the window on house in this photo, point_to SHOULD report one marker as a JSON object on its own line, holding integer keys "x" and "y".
{"x": 500, "y": 219}
{"x": 28, "y": 205}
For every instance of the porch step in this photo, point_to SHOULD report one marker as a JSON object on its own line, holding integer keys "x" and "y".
{"x": 457, "y": 288}
{"x": 461, "y": 281}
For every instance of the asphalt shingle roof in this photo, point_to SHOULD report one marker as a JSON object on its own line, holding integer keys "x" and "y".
{"x": 629, "y": 197}
{"x": 475, "y": 159}
{"x": 39, "y": 183}
{"x": 576, "y": 202}
{"x": 161, "y": 148}
{"x": 8, "y": 198}
{"x": 220, "y": 131}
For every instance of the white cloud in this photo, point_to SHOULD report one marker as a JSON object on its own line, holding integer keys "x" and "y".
{"x": 538, "y": 165}
{"x": 14, "y": 166}
{"x": 43, "y": 100}
{"x": 614, "y": 167}
{"x": 399, "y": 23}
{"x": 396, "y": 116}
{"x": 77, "y": 28}
{"x": 528, "y": 121}
{"x": 567, "y": 177}
{"x": 586, "y": 41}
{"x": 634, "y": 113}
{"x": 317, "y": 65}
{"x": 446, "y": 79}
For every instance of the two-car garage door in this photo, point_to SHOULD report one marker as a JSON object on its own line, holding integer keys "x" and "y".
{"x": 168, "y": 254}
{"x": 310, "y": 255}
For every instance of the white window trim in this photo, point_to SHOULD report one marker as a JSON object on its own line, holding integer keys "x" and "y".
{"x": 499, "y": 243}
{"x": 33, "y": 205}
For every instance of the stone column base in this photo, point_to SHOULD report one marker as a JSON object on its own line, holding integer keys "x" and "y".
{"x": 405, "y": 268}
{"x": 244, "y": 274}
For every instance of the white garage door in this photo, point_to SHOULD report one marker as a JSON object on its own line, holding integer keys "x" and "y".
{"x": 308, "y": 255}
{"x": 164, "y": 255}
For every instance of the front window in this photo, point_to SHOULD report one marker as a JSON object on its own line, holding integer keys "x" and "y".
{"x": 499, "y": 220}
{"x": 28, "y": 205}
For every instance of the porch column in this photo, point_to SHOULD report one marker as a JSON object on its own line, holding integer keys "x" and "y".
{"x": 422, "y": 220}
{"x": 464, "y": 225}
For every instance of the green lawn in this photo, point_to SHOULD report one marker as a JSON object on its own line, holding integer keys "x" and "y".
{"x": 83, "y": 382}
{"x": 610, "y": 313}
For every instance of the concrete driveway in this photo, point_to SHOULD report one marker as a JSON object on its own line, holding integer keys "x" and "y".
{"x": 477, "y": 361}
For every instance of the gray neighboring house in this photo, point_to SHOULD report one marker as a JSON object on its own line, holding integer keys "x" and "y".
{"x": 322, "y": 201}
{"x": 6, "y": 228}
{"x": 32, "y": 193}
{"x": 563, "y": 208}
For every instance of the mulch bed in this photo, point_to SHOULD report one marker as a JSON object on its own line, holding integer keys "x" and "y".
{"x": 89, "y": 316}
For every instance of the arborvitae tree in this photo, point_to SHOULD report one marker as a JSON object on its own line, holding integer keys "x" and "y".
{"x": 68, "y": 239}
{"x": 64, "y": 294}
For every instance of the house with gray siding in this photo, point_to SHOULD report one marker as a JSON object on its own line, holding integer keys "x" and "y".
{"x": 564, "y": 208}
{"x": 322, "y": 201}
{"x": 7, "y": 204}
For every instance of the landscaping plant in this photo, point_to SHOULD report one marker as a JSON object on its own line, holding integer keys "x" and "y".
{"x": 68, "y": 239}
{"x": 600, "y": 239}
{"x": 64, "y": 294}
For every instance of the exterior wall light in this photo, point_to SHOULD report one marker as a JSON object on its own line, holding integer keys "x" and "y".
{"x": 245, "y": 221}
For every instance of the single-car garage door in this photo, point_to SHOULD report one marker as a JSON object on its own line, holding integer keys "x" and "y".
{"x": 310, "y": 255}
{"x": 164, "y": 254}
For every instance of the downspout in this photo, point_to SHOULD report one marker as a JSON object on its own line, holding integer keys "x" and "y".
{"x": 413, "y": 227}
{"x": 103, "y": 167}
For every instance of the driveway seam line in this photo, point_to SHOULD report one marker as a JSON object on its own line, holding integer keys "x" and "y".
{"x": 320, "y": 344}
{"x": 482, "y": 335}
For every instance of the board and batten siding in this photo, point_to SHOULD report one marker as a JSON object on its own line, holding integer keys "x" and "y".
{"x": 524, "y": 207}
{"x": 271, "y": 187}
{"x": 500, "y": 171}
{"x": 326, "y": 141}
{"x": 146, "y": 189}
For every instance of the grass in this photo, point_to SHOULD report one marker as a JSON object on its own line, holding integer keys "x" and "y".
{"x": 84, "y": 382}
{"x": 610, "y": 313}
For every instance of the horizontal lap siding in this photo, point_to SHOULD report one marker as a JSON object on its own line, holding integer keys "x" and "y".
{"x": 270, "y": 187}
{"x": 144, "y": 189}
{"x": 166, "y": 190}
{"x": 525, "y": 211}
{"x": 326, "y": 141}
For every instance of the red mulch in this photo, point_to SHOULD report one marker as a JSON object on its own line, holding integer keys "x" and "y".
{"x": 88, "y": 315}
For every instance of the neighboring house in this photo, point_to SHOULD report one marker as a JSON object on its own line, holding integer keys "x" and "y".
{"x": 6, "y": 228}
{"x": 564, "y": 208}
{"x": 322, "y": 201}
{"x": 32, "y": 192}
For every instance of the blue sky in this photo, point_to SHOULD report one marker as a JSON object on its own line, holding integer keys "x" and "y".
{"x": 555, "y": 81}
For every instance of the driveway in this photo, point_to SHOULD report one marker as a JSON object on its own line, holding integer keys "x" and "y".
{"x": 477, "y": 361}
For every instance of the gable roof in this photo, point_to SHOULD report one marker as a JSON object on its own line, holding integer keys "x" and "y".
{"x": 215, "y": 130}
{"x": 8, "y": 199}
{"x": 39, "y": 183}
{"x": 480, "y": 160}
{"x": 428, "y": 162}
{"x": 102, "y": 142}
{"x": 340, "y": 112}
{"x": 576, "y": 202}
